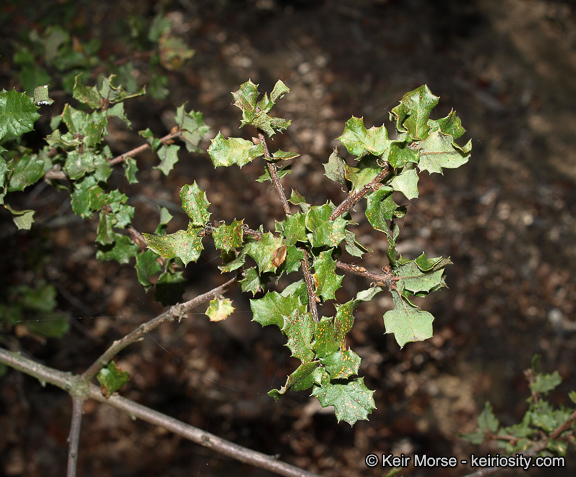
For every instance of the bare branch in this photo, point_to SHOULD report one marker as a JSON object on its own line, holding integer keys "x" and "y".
{"x": 74, "y": 437}
{"x": 176, "y": 311}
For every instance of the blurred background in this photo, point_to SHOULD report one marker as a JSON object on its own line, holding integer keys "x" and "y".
{"x": 506, "y": 219}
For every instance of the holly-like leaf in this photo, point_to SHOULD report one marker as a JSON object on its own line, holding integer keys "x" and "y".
{"x": 227, "y": 237}
{"x": 262, "y": 251}
{"x": 130, "y": 169}
{"x": 283, "y": 155}
{"x": 299, "y": 329}
{"x": 487, "y": 421}
{"x": 407, "y": 322}
{"x": 336, "y": 168}
{"x": 25, "y": 171}
{"x": 341, "y": 364}
{"x": 168, "y": 158}
{"x": 100, "y": 96}
{"x": 380, "y": 207}
{"x": 357, "y": 140}
{"x": 325, "y": 232}
{"x": 450, "y": 125}
{"x": 192, "y": 127}
{"x": 365, "y": 172}
{"x": 438, "y": 151}
{"x": 407, "y": 183}
{"x": 415, "y": 280}
{"x": 195, "y": 204}
{"x": 184, "y": 244}
{"x": 18, "y": 113}
{"x": 328, "y": 281}
{"x": 253, "y": 282}
{"x": 353, "y": 247}
{"x": 23, "y": 219}
{"x": 111, "y": 379}
{"x": 544, "y": 383}
{"x": 412, "y": 113}
{"x": 273, "y": 307}
{"x": 293, "y": 228}
{"x": 325, "y": 342}
{"x": 147, "y": 266}
{"x": 225, "y": 152}
{"x": 303, "y": 378}
{"x": 219, "y": 309}
{"x": 352, "y": 400}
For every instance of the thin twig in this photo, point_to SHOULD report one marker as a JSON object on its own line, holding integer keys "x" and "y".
{"x": 75, "y": 384}
{"x": 74, "y": 438}
{"x": 310, "y": 287}
{"x": 380, "y": 279}
{"x": 176, "y": 311}
{"x": 355, "y": 197}
{"x": 272, "y": 170}
{"x": 137, "y": 150}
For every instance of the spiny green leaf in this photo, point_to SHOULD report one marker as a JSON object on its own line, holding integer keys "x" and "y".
{"x": 195, "y": 204}
{"x": 112, "y": 378}
{"x": 18, "y": 113}
{"x": 365, "y": 172}
{"x": 262, "y": 251}
{"x": 356, "y": 139}
{"x": 184, "y": 244}
{"x": 192, "y": 126}
{"x": 328, "y": 281}
{"x": 544, "y": 383}
{"x": 273, "y": 307}
{"x": 25, "y": 171}
{"x": 253, "y": 282}
{"x": 219, "y": 309}
{"x": 407, "y": 322}
{"x": 227, "y": 237}
{"x": 325, "y": 232}
{"x": 147, "y": 266}
{"x": 299, "y": 329}
{"x": 380, "y": 207}
{"x": 303, "y": 378}
{"x": 487, "y": 421}
{"x": 353, "y": 247}
{"x": 97, "y": 97}
{"x": 450, "y": 125}
{"x": 438, "y": 151}
{"x": 168, "y": 158}
{"x": 325, "y": 342}
{"x": 121, "y": 250}
{"x": 341, "y": 364}
{"x": 336, "y": 168}
{"x": 352, "y": 400}
{"x": 293, "y": 228}
{"x": 225, "y": 152}
{"x": 412, "y": 113}
{"x": 407, "y": 183}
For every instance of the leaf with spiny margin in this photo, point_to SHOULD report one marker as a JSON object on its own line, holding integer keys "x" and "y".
{"x": 325, "y": 232}
{"x": 299, "y": 329}
{"x": 253, "y": 282}
{"x": 23, "y": 219}
{"x": 147, "y": 266}
{"x": 121, "y": 250}
{"x": 412, "y": 114}
{"x": 407, "y": 183}
{"x": 407, "y": 322}
{"x": 256, "y": 113}
{"x": 336, "y": 168}
{"x": 262, "y": 251}
{"x": 353, "y": 247}
{"x": 227, "y": 237}
{"x": 417, "y": 281}
{"x": 231, "y": 263}
{"x": 298, "y": 199}
{"x": 427, "y": 264}
{"x": 273, "y": 307}
{"x": 357, "y": 140}
{"x": 168, "y": 158}
{"x": 130, "y": 169}
{"x": 341, "y": 364}
{"x": 344, "y": 318}
{"x": 401, "y": 154}
{"x": 283, "y": 155}
{"x": 544, "y": 383}
{"x": 439, "y": 151}
{"x": 165, "y": 218}
{"x": 352, "y": 400}
{"x": 450, "y": 125}
{"x": 292, "y": 263}
{"x": 325, "y": 342}
{"x": 99, "y": 96}
{"x": 111, "y": 379}
{"x": 192, "y": 127}
{"x": 328, "y": 281}
{"x": 86, "y": 128}
{"x": 195, "y": 204}
{"x": 184, "y": 244}
{"x": 380, "y": 207}
{"x": 219, "y": 309}
{"x": 366, "y": 170}
{"x": 293, "y": 228}
{"x": 25, "y": 171}
{"x": 225, "y": 152}
{"x": 305, "y": 376}
{"x": 18, "y": 113}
